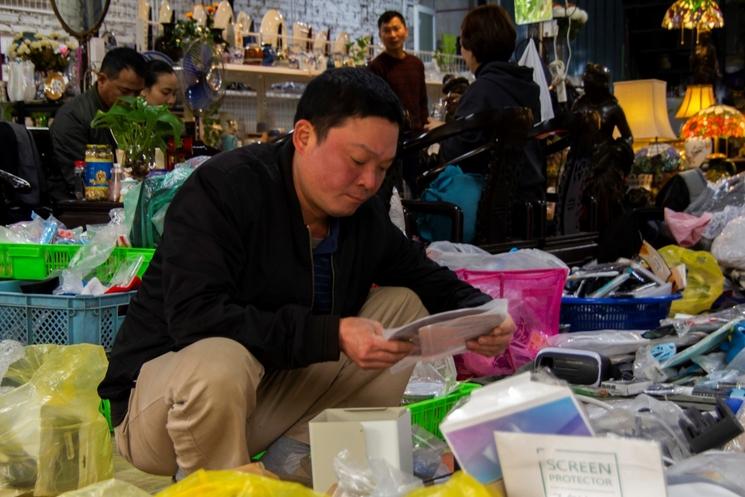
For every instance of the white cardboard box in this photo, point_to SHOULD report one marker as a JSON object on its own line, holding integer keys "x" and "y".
{"x": 540, "y": 465}
{"x": 513, "y": 404}
{"x": 367, "y": 433}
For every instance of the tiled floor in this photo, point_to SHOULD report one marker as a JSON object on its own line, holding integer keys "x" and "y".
{"x": 126, "y": 472}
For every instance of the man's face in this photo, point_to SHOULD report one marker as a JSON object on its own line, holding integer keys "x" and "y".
{"x": 127, "y": 83}
{"x": 393, "y": 34}
{"x": 334, "y": 177}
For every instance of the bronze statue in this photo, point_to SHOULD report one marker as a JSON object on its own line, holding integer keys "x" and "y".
{"x": 594, "y": 175}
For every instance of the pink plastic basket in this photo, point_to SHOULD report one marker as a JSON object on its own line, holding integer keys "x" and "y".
{"x": 534, "y": 297}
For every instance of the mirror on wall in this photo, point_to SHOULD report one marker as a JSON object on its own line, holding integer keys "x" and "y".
{"x": 80, "y": 18}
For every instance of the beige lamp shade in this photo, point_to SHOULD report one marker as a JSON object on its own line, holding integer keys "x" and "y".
{"x": 644, "y": 101}
{"x": 696, "y": 98}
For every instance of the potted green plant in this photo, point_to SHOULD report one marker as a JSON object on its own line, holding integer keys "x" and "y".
{"x": 139, "y": 129}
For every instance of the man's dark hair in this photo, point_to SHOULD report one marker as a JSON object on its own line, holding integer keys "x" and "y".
{"x": 338, "y": 94}
{"x": 487, "y": 31}
{"x": 388, "y": 15}
{"x": 155, "y": 68}
{"x": 122, "y": 58}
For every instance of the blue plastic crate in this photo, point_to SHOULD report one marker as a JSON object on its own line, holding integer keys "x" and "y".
{"x": 61, "y": 319}
{"x": 586, "y": 314}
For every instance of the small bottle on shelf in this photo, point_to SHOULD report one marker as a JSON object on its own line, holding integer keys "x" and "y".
{"x": 115, "y": 185}
{"x": 79, "y": 179}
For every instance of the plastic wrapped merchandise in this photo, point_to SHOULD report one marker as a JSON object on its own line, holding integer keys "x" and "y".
{"x": 706, "y": 322}
{"x": 108, "y": 488}
{"x": 465, "y": 256}
{"x": 722, "y": 469}
{"x": 428, "y": 454}
{"x": 431, "y": 379}
{"x": 10, "y": 352}
{"x": 52, "y": 437}
{"x": 378, "y": 479}
{"x": 717, "y": 196}
{"x": 705, "y": 280}
{"x": 643, "y": 417}
{"x": 729, "y": 247}
{"x": 603, "y": 342}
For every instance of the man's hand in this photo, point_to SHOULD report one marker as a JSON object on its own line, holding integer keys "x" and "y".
{"x": 362, "y": 341}
{"x": 494, "y": 343}
{"x": 432, "y": 124}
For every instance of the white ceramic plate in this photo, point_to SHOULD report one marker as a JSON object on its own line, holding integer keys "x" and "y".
{"x": 243, "y": 23}
{"x": 270, "y": 26}
{"x": 223, "y": 15}
{"x": 165, "y": 12}
{"x": 340, "y": 45}
{"x": 319, "y": 44}
{"x": 199, "y": 14}
{"x": 300, "y": 36}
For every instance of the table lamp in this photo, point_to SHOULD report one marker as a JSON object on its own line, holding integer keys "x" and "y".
{"x": 644, "y": 101}
{"x": 717, "y": 121}
{"x": 700, "y": 15}
{"x": 696, "y": 98}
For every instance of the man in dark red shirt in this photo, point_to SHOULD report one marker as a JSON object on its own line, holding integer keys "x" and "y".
{"x": 403, "y": 72}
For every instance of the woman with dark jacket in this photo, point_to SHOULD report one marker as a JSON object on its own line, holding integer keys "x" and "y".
{"x": 487, "y": 41}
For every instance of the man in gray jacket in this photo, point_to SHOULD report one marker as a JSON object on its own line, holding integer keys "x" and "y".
{"x": 122, "y": 73}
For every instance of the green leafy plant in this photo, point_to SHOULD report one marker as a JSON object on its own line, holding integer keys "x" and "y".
{"x": 138, "y": 129}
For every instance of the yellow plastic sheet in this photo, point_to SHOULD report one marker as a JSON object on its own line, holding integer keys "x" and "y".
{"x": 52, "y": 437}
{"x": 705, "y": 279}
{"x": 234, "y": 484}
{"x": 460, "y": 485}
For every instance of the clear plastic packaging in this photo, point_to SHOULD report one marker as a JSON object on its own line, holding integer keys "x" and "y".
{"x": 705, "y": 322}
{"x": 428, "y": 454}
{"x": 10, "y": 352}
{"x": 721, "y": 468}
{"x": 431, "y": 379}
{"x": 603, "y": 342}
{"x": 729, "y": 246}
{"x": 378, "y": 479}
{"x": 108, "y": 488}
{"x": 465, "y": 256}
{"x": 647, "y": 367}
{"x": 646, "y": 418}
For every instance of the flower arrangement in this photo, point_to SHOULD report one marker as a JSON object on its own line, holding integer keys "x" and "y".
{"x": 569, "y": 17}
{"x": 359, "y": 50}
{"x": 209, "y": 20}
{"x": 46, "y": 52}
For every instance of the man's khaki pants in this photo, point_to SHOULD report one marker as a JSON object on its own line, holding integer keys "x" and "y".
{"x": 210, "y": 405}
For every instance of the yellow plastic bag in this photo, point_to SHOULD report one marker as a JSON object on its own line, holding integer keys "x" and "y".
{"x": 705, "y": 279}
{"x": 108, "y": 488}
{"x": 234, "y": 484}
{"x": 460, "y": 485}
{"x": 52, "y": 437}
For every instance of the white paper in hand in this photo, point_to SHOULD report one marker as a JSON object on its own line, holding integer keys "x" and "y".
{"x": 446, "y": 333}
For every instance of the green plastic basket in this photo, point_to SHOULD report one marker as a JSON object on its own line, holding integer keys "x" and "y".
{"x": 429, "y": 413}
{"x": 105, "y": 409}
{"x": 26, "y": 261}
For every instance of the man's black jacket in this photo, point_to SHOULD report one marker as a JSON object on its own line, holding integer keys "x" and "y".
{"x": 235, "y": 262}
{"x": 71, "y": 131}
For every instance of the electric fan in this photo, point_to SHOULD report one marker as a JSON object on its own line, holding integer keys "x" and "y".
{"x": 203, "y": 74}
